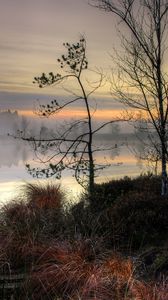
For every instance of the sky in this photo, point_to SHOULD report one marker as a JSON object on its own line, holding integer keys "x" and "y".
{"x": 31, "y": 37}
{"x": 32, "y": 33}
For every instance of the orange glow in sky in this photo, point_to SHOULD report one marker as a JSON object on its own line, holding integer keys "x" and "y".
{"x": 99, "y": 114}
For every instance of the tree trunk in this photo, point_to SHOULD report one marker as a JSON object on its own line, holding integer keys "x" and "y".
{"x": 161, "y": 102}
{"x": 91, "y": 171}
{"x": 164, "y": 191}
{"x": 90, "y": 150}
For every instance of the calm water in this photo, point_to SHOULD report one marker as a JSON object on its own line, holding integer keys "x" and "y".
{"x": 14, "y": 154}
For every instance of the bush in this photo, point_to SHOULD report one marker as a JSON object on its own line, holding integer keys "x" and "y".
{"x": 107, "y": 193}
{"x": 139, "y": 219}
{"x": 83, "y": 222}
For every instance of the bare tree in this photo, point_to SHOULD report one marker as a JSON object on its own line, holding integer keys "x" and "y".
{"x": 147, "y": 148}
{"x": 70, "y": 146}
{"x": 142, "y": 83}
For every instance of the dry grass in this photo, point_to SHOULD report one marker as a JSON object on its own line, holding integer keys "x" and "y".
{"x": 118, "y": 267}
{"x": 48, "y": 196}
{"x": 24, "y": 223}
{"x": 64, "y": 269}
{"x": 149, "y": 291}
{"x": 75, "y": 271}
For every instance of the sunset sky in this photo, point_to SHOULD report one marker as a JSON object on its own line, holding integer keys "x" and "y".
{"x": 32, "y": 33}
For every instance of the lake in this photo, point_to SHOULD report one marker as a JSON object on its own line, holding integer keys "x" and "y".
{"x": 14, "y": 154}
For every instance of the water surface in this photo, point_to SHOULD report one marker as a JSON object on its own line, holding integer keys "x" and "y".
{"x": 14, "y": 154}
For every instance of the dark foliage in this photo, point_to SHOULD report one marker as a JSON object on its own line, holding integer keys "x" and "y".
{"x": 83, "y": 222}
{"x": 126, "y": 213}
{"x": 139, "y": 219}
{"x": 107, "y": 193}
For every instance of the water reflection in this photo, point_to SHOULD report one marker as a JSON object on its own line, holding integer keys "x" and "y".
{"x": 15, "y": 153}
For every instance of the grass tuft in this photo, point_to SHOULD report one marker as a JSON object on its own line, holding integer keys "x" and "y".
{"x": 48, "y": 196}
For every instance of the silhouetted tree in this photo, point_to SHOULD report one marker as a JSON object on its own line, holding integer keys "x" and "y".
{"x": 69, "y": 147}
{"x": 142, "y": 82}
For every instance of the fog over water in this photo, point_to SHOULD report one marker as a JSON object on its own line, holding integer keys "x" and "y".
{"x": 14, "y": 153}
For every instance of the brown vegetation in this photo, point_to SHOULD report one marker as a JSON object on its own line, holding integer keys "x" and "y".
{"x": 64, "y": 258}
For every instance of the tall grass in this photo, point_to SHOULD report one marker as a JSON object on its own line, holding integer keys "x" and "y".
{"x": 75, "y": 270}
{"x": 26, "y": 222}
{"x": 48, "y": 196}
{"x": 70, "y": 256}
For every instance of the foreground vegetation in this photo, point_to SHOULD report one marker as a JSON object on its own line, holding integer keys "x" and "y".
{"x": 112, "y": 246}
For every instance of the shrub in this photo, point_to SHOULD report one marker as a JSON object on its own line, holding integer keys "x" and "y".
{"x": 106, "y": 194}
{"x": 154, "y": 262}
{"x": 17, "y": 216}
{"x": 83, "y": 222}
{"x": 139, "y": 219}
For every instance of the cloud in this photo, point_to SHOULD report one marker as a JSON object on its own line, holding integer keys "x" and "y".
{"x": 33, "y": 33}
{"x": 27, "y": 101}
